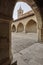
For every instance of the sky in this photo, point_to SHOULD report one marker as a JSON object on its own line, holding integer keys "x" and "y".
{"x": 25, "y": 7}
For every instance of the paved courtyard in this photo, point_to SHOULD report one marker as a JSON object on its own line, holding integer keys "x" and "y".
{"x": 26, "y": 50}
{"x": 21, "y": 41}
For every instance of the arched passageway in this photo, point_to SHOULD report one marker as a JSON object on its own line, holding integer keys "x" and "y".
{"x": 31, "y": 27}
{"x": 6, "y": 9}
{"x": 20, "y": 27}
{"x": 37, "y": 8}
{"x": 13, "y": 28}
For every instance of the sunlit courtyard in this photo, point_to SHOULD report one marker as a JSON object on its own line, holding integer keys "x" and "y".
{"x": 21, "y": 41}
{"x": 25, "y": 49}
{"x": 25, "y": 46}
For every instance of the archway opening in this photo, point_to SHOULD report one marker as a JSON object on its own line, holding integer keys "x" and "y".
{"x": 20, "y": 27}
{"x": 13, "y": 28}
{"x": 31, "y": 27}
{"x": 19, "y": 38}
{"x": 6, "y": 12}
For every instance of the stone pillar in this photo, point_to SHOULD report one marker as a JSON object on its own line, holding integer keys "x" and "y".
{"x": 24, "y": 29}
{"x": 42, "y": 23}
{"x": 16, "y": 29}
{"x": 42, "y": 34}
{"x": 4, "y": 42}
{"x": 39, "y": 22}
{"x": 39, "y": 35}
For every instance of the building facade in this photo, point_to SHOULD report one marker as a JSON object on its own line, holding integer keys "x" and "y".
{"x": 26, "y": 22}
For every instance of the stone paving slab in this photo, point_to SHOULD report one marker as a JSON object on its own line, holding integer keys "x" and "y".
{"x": 21, "y": 41}
{"x": 32, "y": 55}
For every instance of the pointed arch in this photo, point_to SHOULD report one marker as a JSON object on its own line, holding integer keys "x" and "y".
{"x": 20, "y": 27}
{"x": 31, "y": 27}
{"x": 13, "y": 28}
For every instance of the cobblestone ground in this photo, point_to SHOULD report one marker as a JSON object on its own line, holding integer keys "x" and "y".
{"x": 26, "y": 50}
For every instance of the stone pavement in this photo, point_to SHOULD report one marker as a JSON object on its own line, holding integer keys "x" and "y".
{"x": 21, "y": 41}
{"x": 32, "y": 55}
{"x": 26, "y": 50}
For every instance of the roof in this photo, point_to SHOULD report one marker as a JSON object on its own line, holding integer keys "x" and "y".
{"x": 28, "y": 14}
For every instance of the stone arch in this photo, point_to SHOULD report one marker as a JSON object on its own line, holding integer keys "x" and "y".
{"x": 31, "y": 27}
{"x": 36, "y": 6}
{"x": 13, "y": 28}
{"x": 20, "y": 27}
{"x": 6, "y": 9}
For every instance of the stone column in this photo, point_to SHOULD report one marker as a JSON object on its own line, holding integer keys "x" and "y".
{"x": 39, "y": 22}
{"x": 39, "y": 34}
{"x": 42, "y": 23}
{"x": 16, "y": 28}
{"x": 42, "y": 34}
{"x": 4, "y": 42}
{"x": 24, "y": 30}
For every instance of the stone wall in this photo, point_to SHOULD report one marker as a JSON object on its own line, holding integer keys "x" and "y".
{"x": 28, "y": 24}
{"x": 4, "y": 42}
